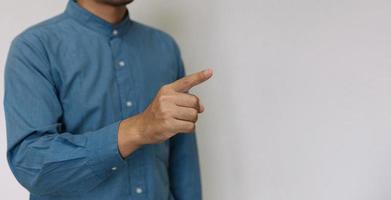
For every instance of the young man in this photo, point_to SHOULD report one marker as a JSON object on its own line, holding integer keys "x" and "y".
{"x": 97, "y": 107}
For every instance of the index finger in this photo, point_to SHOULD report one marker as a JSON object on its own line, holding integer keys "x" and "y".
{"x": 186, "y": 83}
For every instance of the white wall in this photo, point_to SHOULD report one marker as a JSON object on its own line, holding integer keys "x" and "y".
{"x": 299, "y": 108}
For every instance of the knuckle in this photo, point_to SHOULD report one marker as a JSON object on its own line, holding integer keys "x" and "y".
{"x": 194, "y": 113}
{"x": 163, "y": 99}
{"x": 197, "y": 99}
{"x": 194, "y": 99}
{"x": 187, "y": 82}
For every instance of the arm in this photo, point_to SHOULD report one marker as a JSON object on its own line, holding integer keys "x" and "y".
{"x": 185, "y": 179}
{"x": 43, "y": 159}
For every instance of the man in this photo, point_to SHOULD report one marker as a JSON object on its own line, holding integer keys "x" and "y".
{"x": 97, "y": 107}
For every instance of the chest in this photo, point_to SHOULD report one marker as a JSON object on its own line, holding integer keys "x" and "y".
{"x": 108, "y": 80}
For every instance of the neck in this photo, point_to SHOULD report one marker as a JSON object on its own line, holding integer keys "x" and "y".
{"x": 109, "y": 13}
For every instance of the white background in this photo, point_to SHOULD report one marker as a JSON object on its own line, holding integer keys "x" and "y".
{"x": 300, "y": 105}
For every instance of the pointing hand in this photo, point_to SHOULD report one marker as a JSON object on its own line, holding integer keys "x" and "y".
{"x": 173, "y": 110}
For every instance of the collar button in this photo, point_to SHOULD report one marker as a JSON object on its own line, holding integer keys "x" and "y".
{"x": 115, "y": 32}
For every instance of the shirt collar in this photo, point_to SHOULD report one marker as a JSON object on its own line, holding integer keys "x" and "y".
{"x": 96, "y": 23}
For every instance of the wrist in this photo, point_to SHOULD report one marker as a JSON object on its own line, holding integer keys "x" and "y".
{"x": 129, "y": 135}
{"x": 137, "y": 129}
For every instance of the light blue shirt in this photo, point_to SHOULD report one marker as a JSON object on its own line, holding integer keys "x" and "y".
{"x": 69, "y": 81}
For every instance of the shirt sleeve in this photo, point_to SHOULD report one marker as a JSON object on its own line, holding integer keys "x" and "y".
{"x": 184, "y": 170}
{"x": 44, "y": 160}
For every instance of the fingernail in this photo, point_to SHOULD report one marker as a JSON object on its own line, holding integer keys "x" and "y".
{"x": 207, "y": 72}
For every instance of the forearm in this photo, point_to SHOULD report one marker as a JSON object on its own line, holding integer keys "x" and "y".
{"x": 48, "y": 162}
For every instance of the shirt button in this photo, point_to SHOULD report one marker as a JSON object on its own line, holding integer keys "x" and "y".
{"x": 114, "y": 168}
{"x": 121, "y": 63}
{"x": 129, "y": 103}
{"x": 115, "y": 32}
{"x": 139, "y": 190}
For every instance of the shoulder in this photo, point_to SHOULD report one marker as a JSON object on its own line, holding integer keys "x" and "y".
{"x": 154, "y": 34}
{"x": 38, "y": 33}
{"x": 29, "y": 48}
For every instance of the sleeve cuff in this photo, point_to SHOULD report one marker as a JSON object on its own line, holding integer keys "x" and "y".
{"x": 104, "y": 156}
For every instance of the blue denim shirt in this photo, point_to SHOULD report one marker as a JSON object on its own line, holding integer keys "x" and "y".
{"x": 69, "y": 81}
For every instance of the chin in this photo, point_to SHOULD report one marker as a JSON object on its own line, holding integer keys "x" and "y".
{"x": 116, "y": 2}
